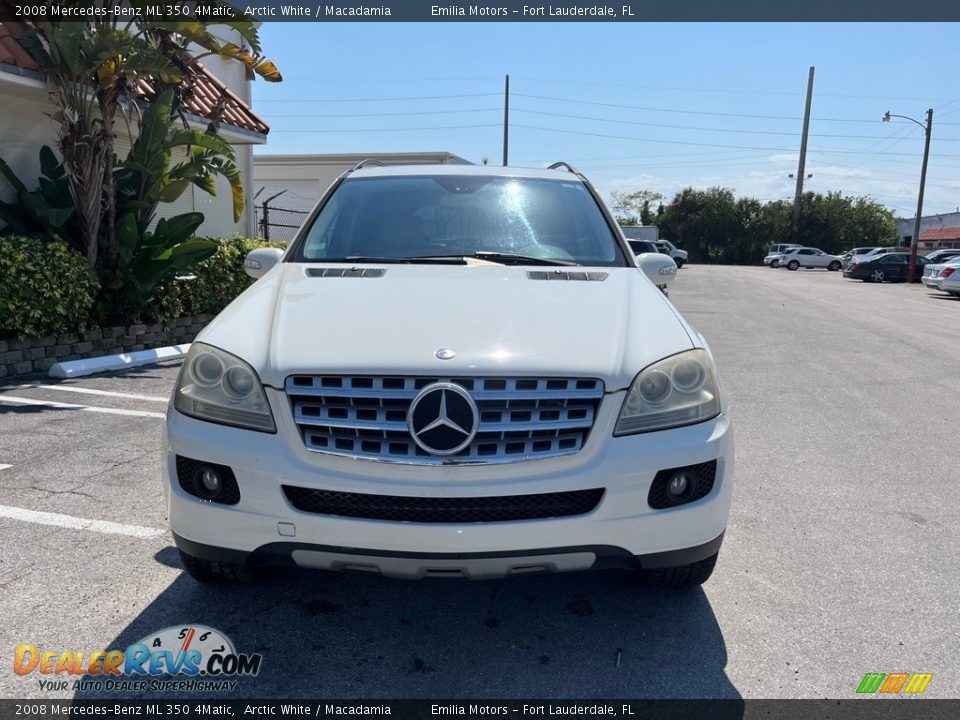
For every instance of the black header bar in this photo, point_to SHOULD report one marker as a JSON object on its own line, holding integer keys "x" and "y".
{"x": 218, "y": 707}
{"x": 332, "y": 11}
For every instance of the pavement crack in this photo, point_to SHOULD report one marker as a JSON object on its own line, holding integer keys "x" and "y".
{"x": 59, "y": 492}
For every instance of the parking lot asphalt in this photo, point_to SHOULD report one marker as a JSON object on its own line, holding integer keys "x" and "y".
{"x": 842, "y": 555}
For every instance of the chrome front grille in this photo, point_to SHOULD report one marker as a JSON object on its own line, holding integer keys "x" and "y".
{"x": 520, "y": 418}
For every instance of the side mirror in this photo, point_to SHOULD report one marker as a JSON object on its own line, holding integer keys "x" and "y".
{"x": 259, "y": 262}
{"x": 660, "y": 269}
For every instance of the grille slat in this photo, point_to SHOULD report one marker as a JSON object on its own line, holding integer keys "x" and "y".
{"x": 503, "y": 508}
{"x": 520, "y": 418}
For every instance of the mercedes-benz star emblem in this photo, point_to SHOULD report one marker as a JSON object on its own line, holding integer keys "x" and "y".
{"x": 443, "y": 418}
{"x": 445, "y": 354}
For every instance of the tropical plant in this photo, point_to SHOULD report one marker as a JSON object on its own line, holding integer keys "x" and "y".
{"x": 46, "y": 212}
{"x": 93, "y": 66}
{"x": 58, "y": 49}
{"x": 140, "y": 258}
{"x": 146, "y": 178}
{"x": 46, "y": 288}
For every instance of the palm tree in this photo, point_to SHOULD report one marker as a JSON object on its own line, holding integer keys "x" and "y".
{"x": 94, "y": 67}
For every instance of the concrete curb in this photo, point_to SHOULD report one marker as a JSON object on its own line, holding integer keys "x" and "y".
{"x": 121, "y": 361}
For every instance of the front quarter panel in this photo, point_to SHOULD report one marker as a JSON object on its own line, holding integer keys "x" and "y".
{"x": 245, "y": 326}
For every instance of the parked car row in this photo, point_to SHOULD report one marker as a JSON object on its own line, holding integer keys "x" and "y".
{"x": 794, "y": 257}
{"x": 881, "y": 267}
{"x": 776, "y": 252}
{"x": 943, "y": 276}
{"x": 938, "y": 270}
{"x": 648, "y": 234}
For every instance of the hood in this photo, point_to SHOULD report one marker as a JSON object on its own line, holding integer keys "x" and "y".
{"x": 495, "y": 318}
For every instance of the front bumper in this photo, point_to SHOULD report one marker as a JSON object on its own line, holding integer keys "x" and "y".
{"x": 265, "y": 528}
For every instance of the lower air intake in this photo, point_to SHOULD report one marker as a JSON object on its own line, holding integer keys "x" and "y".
{"x": 502, "y": 508}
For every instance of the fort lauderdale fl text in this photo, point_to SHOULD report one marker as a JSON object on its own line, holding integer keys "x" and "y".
{"x": 304, "y": 11}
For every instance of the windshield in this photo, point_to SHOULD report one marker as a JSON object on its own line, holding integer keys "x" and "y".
{"x": 443, "y": 215}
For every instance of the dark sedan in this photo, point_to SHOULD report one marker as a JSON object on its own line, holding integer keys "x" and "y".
{"x": 890, "y": 266}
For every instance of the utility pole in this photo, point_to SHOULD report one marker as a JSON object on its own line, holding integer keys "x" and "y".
{"x": 927, "y": 132}
{"x": 912, "y": 272}
{"x": 803, "y": 158}
{"x": 506, "y": 118}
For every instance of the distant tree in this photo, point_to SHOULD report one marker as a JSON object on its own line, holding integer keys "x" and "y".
{"x": 714, "y": 226}
{"x": 636, "y": 205}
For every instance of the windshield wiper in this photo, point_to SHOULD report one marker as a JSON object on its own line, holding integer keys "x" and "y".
{"x": 453, "y": 259}
{"x": 374, "y": 260}
{"x": 501, "y": 257}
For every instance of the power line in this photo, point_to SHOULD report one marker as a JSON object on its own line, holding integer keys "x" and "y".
{"x": 386, "y": 114}
{"x": 393, "y": 129}
{"x": 699, "y": 128}
{"x": 697, "y": 144}
{"x": 724, "y": 90}
{"x": 377, "y": 99}
{"x": 393, "y": 79}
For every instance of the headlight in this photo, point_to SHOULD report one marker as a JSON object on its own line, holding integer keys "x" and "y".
{"x": 218, "y": 387}
{"x": 680, "y": 390}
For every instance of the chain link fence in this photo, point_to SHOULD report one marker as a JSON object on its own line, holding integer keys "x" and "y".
{"x": 277, "y": 223}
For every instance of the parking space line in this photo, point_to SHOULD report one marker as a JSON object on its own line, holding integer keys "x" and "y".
{"x": 94, "y": 391}
{"x": 4, "y": 467}
{"x": 75, "y": 523}
{"x": 11, "y": 400}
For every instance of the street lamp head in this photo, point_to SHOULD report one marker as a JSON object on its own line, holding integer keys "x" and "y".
{"x": 886, "y": 117}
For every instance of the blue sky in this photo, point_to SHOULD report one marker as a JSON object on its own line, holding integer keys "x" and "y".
{"x": 635, "y": 106}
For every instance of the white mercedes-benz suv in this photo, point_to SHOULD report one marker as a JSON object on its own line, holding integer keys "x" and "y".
{"x": 452, "y": 371}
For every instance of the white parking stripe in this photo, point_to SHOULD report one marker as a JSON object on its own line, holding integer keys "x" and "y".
{"x": 11, "y": 400}
{"x": 4, "y": 467}
{"x": 93, "y": 391}
{"x": 75, "y": 523}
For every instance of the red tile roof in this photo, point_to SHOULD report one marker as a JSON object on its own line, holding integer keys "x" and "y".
{"x": 208, "y": 90}
{"x": 947, "y": 233}
{"x": 11, "y": 53}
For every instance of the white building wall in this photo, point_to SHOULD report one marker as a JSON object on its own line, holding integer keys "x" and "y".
{"x": 25, "y": 127}
{"x": 306, "y": 177}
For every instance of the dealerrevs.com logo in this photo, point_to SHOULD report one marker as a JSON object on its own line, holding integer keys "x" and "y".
{"x": 198, "y": 657}
{"x": 894, "y": 683}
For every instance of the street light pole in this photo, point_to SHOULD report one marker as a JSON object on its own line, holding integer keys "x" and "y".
{"x": 927, "y": 129}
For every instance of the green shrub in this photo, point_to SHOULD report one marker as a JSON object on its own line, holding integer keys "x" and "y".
{"x": 217, "y": 281}
{"x": 45, "y": 288}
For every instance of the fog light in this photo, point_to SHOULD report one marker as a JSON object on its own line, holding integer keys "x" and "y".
{"x": 679, "y": 486}
{"x": 207, "y": 482}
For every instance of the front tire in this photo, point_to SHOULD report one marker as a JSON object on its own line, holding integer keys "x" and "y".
{"x": 679, "y": 262}
{"x": 682, "y": 576}
{"x": 774, "y": 263}
{"x": 793, "y": 265}
{"x": 210, "y": 571}
{"x": 877, "y": 276}
{"x": 834, "y": 266}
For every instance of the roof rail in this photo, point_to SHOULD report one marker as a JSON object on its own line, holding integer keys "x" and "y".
{"x": 565, "y": 166}
{"x": 365, "y": 163}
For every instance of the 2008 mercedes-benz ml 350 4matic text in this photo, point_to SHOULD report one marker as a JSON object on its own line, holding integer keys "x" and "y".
{"x": 452, "y": 371}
